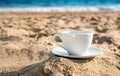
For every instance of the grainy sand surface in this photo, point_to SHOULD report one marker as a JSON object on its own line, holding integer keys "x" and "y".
{"x": 25, "y": 44}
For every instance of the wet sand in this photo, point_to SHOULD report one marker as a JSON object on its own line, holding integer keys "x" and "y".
{"x": 25, "y": 44}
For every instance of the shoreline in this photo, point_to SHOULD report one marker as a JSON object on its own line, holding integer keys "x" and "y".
{"x": 59, "y": 13}
{"x": 87, "y": 8}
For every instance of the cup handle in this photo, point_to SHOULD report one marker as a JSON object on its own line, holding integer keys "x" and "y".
{"x": 54, "y": 40}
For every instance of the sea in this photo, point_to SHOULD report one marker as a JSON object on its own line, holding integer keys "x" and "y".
{"x": 59, "y": 5}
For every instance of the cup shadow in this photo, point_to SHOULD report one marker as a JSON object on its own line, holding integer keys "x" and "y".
{"x": 78, "y": 60}
{"x": 81, "y": 60}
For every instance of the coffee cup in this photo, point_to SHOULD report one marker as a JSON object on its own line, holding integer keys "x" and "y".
{"x": 75, "y": 42}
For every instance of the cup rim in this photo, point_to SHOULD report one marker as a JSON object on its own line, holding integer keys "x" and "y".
{"x": 77, "y": 32}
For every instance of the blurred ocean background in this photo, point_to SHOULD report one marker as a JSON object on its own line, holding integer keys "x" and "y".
{"x": 59, "y": 5}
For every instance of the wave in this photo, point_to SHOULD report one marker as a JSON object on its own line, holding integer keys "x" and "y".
{"x": 61, "y": 9}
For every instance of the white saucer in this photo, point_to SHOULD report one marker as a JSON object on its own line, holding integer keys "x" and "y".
{"x": 92, "y": 52}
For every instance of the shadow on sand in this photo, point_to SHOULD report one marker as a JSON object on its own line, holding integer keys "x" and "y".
{"x": 37, "y": 68}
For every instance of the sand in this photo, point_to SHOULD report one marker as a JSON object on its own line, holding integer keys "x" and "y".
{"x": 25, "y": 44}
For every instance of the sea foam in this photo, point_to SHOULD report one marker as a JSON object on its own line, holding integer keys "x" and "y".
{"x": 61, "y": 9}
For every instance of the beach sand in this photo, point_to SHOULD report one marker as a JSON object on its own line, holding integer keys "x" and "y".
{"x": 25, "y": 44}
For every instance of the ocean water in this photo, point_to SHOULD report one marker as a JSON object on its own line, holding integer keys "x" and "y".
{"x": 59, "y": 5}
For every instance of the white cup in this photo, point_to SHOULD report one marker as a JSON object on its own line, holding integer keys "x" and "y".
{"x": 75, "y": 42}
